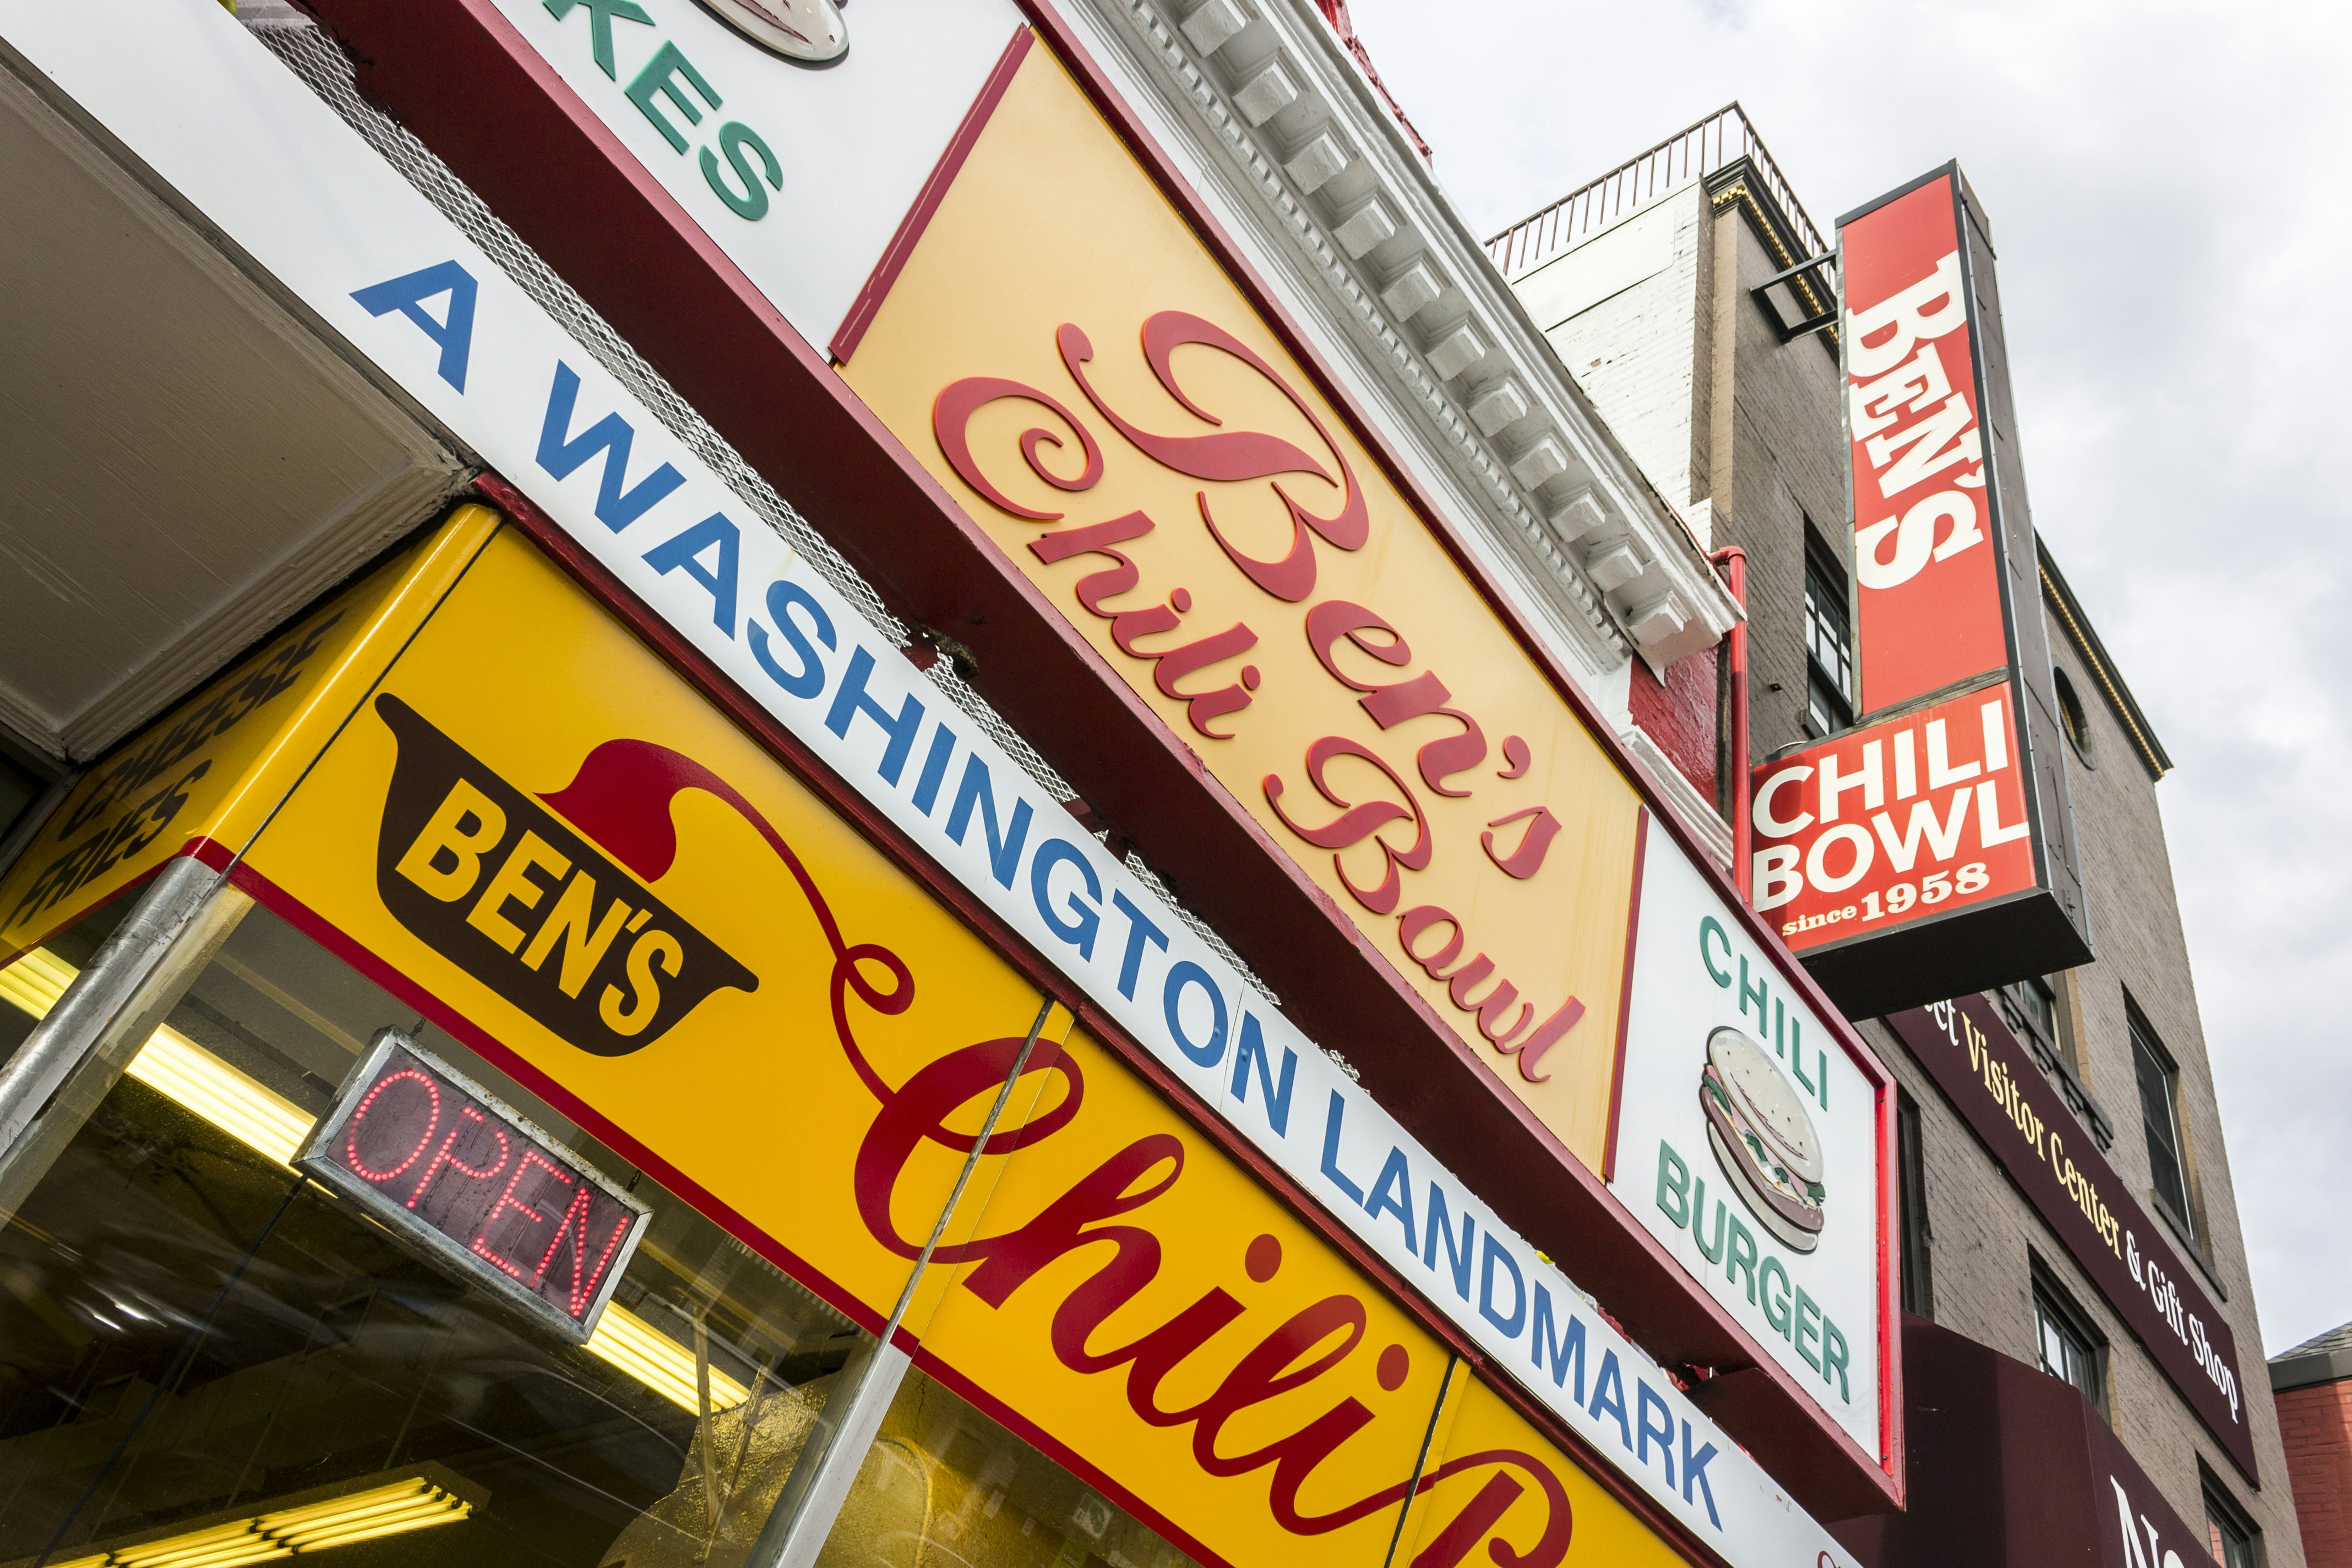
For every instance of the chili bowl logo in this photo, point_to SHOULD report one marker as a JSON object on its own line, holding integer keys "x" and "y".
{"x": 490, "y": 878}
{"x": 1763, "y": 1137}
{"x": 805, "y": 32}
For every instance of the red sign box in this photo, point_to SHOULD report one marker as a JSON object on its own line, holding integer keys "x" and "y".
{"x": 434, "y": 1157}
{"x": 1894, "y": 822}
{"x": 1930, "y": 851}
{"x": 1926, "y": 546}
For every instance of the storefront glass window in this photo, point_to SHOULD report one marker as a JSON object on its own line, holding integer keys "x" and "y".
{"x": 943, "y": 1486}
{"x": 199, "y": 1343}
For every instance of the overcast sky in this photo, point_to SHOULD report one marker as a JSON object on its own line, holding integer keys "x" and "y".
{"x": 2175, "y": 255}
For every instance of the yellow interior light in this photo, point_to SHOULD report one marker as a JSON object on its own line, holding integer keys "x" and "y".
{"x": 174, "y": 1066}
{"x": 658, "y": 1361}
{"x": 35, "y": 982}
{"x": 416, "y": 1503}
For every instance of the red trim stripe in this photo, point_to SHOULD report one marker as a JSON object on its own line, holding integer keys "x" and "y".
{"x": 1626, "y": 993}
{"x": 895, "y": 254}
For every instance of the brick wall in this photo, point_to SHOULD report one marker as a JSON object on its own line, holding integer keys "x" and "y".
{"x": 2316, "y": 1424}
{"x": 1680, "y": 715}
{"x": 1778, "y": 459}
{"x": 1634, "y": 350}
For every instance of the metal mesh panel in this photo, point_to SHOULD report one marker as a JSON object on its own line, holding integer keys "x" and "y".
{"x": 314, "y": 57}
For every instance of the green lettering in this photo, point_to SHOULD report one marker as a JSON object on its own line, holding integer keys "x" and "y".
{"x": 600, "y": 24}
{"x": 1743, "y": 1257}
{"x": 660, "y": 79}
{"x": 1673, "y": 1181}
{"x": 1776, "y": 1308}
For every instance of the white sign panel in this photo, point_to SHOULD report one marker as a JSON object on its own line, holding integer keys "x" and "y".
{"x": 800, "y": 175}
{"x": 1747, "y": 1142}
{"x": 244, "y": 144}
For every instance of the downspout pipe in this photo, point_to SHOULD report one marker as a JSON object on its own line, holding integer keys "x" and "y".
{"x": 1734, "y": 563}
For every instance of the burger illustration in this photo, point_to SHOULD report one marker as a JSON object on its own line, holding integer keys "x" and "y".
{"x": 807, "y": 32}
{"x": 1763, "y": 1138}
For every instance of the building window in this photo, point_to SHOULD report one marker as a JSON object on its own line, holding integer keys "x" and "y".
{"x": 2032, "y": 1006}
{"x": 1911, "y": 1196}
{"x": 2035, "y": 1008}
{"x": 2230, "y": 1534}
{"x": 2159, "y": 1113}
{"x": 2073, "y": 717}
{"x": 1829, "y": 640}
{"x": 2069, "y": 1349}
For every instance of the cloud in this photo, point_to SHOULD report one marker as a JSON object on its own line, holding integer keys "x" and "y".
{"x": 2160, "y": 179}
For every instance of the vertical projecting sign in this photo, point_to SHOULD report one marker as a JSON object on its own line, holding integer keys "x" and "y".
{"x": 1929, "y": 850}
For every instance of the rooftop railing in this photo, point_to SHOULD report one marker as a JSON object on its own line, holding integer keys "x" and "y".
{"x": 1721, "y": 139}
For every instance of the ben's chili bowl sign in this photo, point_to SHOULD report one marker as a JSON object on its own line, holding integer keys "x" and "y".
{"x": 1898, "y": 821}
{"x": 1152, "y": 457}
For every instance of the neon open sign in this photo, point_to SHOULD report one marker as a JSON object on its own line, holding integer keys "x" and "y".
{"x": 428, "y": 1153}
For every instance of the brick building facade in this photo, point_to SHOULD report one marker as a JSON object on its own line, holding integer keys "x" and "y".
{"x": 1666, "y": 290}
{"x": 2313, "y": 1385}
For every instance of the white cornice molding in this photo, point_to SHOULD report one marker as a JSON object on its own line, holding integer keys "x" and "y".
{"x": 1310, "y": 172}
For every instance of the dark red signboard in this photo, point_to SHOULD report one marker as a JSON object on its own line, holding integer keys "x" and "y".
{"x": 2013, "y": 1468}
{"x": 435, "y": 1158}
{"x": 2002, "y": 1094}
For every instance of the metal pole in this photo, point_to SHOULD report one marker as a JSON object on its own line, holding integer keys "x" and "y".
{"x": 1734, "y": 561}
{"x": 60, "y": 1042}
{"x": 70, "y": 1071}
{"x": 813, "y": 1494}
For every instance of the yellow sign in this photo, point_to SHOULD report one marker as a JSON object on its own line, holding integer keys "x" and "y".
{"x": 1079, "y": 370}
{"x": 597, "y": 880}
{"x": 216, "y": 766}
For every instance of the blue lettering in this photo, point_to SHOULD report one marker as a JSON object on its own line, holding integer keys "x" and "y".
{"x": 1608, "y": 1398}
{"x": 935, "y": 769}
{"x": 1331, "y": 1128}
{"x": 1277, "y": 1100}
{"x": 1562, "y": 1348}
{"x": 1084, "y": 918}
{"x": 851, "y": 700}
{"x": 407, "y": 294}
{"x": 976, "y": 790}
{"x": 1182, "y": 975}
{"x": 1457, "y": 1258}
{"x": 1695, "y": 1473}
{"x": 1646, "y": 1399}
{"x": 809, "y": 679}
{"x": 684, "y": 553}
{"x": 561, "y": 456}
{"x": 1139, "y": 930}
{"x": 1511, "y": 1324}
{"x": 1392, "y": 1194}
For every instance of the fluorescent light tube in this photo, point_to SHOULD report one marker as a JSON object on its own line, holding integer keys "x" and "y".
{"x": 402, "y": 1506}
{"x": 175, "y": 1066}
{"x": 658, "y": 1361}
